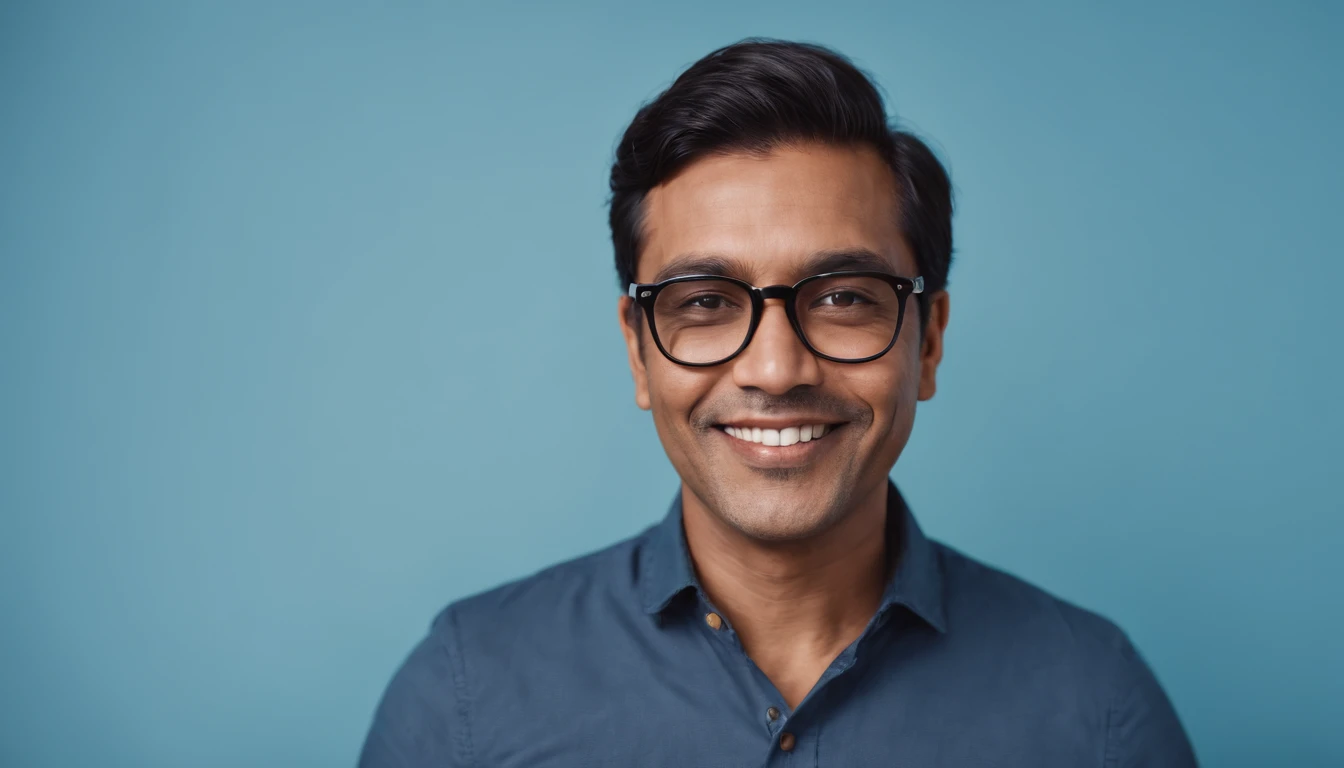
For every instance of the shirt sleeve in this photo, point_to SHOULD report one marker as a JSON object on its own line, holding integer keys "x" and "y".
{"x": 1143, "y": 728}
{"x": 421, "y": 720}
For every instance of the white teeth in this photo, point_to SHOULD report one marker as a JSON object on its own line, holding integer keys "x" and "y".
{"x": 778, "y": 437}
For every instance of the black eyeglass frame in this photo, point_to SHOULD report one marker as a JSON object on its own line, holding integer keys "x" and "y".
{"x": 645, "y": 294}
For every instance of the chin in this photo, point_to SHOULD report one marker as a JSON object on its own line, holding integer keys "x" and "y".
{"x": 784, "y": 515}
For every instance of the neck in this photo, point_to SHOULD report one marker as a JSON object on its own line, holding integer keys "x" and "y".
{"x": 797, "y": 603}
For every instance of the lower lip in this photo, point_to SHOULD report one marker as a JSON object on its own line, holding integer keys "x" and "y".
{"x": 780, "y": 456}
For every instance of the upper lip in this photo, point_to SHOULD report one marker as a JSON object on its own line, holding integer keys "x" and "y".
{"x": 777, "y": 422}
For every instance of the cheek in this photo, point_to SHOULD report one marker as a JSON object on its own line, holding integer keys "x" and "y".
{"x": 674, "y": 394}
{"x": 891, "y": 391}
{"x": 675, "y": 391}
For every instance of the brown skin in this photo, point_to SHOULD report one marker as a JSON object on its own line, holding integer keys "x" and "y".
{"x": 793, "y": 557}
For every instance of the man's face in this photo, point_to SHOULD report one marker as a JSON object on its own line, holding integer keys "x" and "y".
{"x": 772, "y": 220}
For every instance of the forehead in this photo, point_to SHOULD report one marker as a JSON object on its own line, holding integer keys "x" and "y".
{"x": 768, "y": 216}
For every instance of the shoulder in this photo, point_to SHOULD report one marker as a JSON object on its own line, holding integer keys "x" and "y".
{"x": 1063, "y": 658}
{"x": 551, "y": 592}
{"x": 484, "y": 652}
{"x": 997, "y": 604}
{"x": 560, "y": 611}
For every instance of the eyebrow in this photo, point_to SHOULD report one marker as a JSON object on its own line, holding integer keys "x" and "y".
{"x": 846, "y": 258}
{"x": 699, "y": 264}
{"x": 817, "y": 263}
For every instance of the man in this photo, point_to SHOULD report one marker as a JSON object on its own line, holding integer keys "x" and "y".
{"x": 784, "y": 255}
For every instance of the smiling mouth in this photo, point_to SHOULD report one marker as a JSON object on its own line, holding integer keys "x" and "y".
{"x": 787, "y": 436}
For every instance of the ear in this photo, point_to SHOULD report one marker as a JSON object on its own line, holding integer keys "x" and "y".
{"x": 632, "y": 329}
{"x": 931, "y": 347}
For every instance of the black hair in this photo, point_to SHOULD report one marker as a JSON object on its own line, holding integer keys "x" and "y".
{"x": 758, "y": 94}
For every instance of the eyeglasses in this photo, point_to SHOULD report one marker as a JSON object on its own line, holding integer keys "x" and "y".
{"x": 845, "y": 317}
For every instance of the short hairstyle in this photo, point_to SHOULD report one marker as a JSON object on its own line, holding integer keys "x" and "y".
{"x": 758, "y": 94}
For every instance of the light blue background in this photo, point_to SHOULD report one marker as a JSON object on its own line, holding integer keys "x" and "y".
{"x": 281, "y": 378}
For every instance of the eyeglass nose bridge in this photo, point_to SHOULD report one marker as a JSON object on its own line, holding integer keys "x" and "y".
{"x": 776, "y": 292}
{"x": 788, "y": 294}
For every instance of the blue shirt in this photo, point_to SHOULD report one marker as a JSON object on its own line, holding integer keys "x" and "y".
{"x": 613, "y": 659}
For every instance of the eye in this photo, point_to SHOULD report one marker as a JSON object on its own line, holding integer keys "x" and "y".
{"x": 708, "y": 301}
{"x": 841, "y": 299}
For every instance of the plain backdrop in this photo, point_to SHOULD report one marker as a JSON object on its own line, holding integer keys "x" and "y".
{"x": 307, "y": 327}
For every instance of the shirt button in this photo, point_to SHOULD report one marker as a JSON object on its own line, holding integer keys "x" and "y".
{"x": 713, "y": 620}
{"x": 772, "y": 714}
{"x": 786, "y": 741}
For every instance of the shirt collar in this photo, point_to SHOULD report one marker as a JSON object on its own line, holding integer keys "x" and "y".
{"x": 916, "y": 583}
{"x": 665, "y": 561}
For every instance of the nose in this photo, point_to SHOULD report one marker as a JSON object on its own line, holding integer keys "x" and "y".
{"x": 775, "y": 361}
